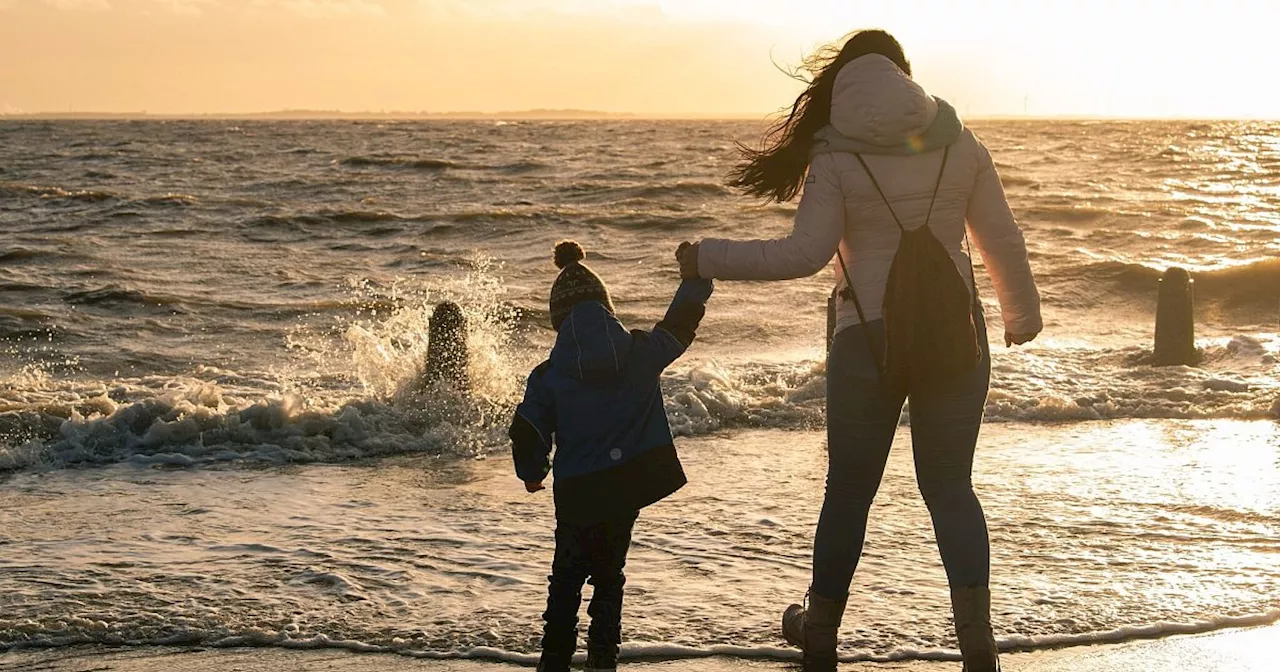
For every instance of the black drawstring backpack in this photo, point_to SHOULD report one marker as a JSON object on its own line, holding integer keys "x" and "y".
{"x": 931, "y": 338}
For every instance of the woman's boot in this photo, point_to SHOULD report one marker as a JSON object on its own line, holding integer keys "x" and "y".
{"x": 971, "y": 608}
{"x": 814, "y": 630}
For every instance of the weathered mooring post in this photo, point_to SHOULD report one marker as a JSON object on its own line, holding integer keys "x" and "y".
{"x": 1175, "y": 320}
{"x": 447, "y": 346}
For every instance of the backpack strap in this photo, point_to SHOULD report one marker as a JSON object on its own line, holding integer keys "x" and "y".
{"x": 848, "y": 291}
{"x": 946, "y": 151}
{"x": 973, "y": 275}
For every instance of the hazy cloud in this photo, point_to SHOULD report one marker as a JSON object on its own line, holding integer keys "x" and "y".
{"x": 187, "y": 7}
{"x": 315, "y": 9}
{"x": 618, "y": 9}
{"x": 70, "y": 5}
{"x": 327, "y": 9}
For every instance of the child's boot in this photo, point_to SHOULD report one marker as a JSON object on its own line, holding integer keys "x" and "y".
{"x": 605, "y": 634}
{"x": 560, "y": 628}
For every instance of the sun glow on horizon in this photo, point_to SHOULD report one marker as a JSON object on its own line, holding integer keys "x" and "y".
{"x": 704, "y": 57}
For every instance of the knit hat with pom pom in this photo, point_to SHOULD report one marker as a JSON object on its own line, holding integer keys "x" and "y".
{"x": 575, "y": 284}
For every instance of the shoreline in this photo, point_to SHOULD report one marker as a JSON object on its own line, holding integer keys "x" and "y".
{"x": 1250, "y": 649}
{"x": 545, "y": 115}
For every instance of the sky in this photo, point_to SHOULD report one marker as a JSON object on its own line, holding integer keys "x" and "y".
{"x": 1130, "y": 58}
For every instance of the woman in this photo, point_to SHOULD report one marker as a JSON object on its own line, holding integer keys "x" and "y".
{"x": 869, "y": 147}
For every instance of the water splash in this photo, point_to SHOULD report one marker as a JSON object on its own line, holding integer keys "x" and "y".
{"x": 354, "y": 390}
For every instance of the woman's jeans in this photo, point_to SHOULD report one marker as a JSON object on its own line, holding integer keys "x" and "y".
{"x": 862, "y": 415}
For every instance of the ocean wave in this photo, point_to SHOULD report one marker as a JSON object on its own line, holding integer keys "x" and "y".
{"x": 504, "y": 215}
{"x": 17, "y": 325}
{"x": 95, "y": 195}
{"x": 1068, "y": 213}
{"x": 58, "y": 193}
{"x": 20, "y": 312}
{"x": 97, "y": 156}
{"x": 646, "y": 192}
{"x": 397, "y": 162}
{"x": 1255, "y": 282}
{"x": 1252, "y": 285}
{"x": 295, "y": 223}
{"x": 115, "y": 295}
{"x": 359, "y": 216}
{"x": 520, "y": 167}
{"x": 198, "y": 426}
{"x": 655, "y": 221}
{"x": 369, "y": 401}
{"x": 22, "y": 254}
{"x": 6, "y": 286}
{"x": 712, "y": 398}
{"x": 81, "y": 631}
{"x": 169, "y": 199}
{"x": 176, "y": 232}
{"x": 680, "y": 190}
{"x": 1135, "y": 632}
{"x": 300, "y": 222}
{"x": 1015, "y": 181}
{"x": 197, "y": 421}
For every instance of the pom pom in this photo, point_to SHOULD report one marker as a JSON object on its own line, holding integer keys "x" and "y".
{"x": 567, "y": 252}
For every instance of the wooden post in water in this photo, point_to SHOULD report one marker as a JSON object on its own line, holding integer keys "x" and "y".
{"x": 447, "y": 346}
{"x": 1175, "y": 320}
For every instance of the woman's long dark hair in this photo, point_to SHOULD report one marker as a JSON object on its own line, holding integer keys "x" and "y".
{"x": 776, "y": 171}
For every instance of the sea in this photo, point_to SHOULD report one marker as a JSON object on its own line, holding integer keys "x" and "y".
{"x": 214, "y": 429}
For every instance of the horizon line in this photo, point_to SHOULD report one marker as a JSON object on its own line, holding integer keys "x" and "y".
{"x": 538, "y": 114}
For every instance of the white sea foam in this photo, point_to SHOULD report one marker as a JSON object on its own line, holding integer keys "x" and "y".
{"x": 1042, "y": 385}
{"x": 216, "y": 415}
{"x": 356, "y": 395}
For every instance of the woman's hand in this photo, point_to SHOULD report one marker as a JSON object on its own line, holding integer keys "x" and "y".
{"x": 1011, "y": 340}
{"x": 687, "y": 255}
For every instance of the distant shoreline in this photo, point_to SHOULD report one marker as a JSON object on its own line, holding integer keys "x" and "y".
{"x": 519, "y": 115}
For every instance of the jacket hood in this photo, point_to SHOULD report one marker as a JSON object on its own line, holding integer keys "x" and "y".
{"x": 592, "y": 346}
{"x": 877, "y": 109}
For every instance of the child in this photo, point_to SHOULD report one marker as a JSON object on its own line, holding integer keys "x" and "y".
{"x": 598, "y": 398}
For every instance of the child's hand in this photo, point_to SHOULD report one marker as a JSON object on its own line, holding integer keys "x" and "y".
{"x": 687, "y": 255}
{"x": 531, "y": 486}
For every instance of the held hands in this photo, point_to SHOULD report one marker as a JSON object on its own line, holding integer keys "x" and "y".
{"x": 530, "y": 486}
{"x": 1011, "y": 340}
{"x": 687, "y": 255}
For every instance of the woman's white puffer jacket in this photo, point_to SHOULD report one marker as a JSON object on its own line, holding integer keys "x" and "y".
{"x": 876, "y": 104}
